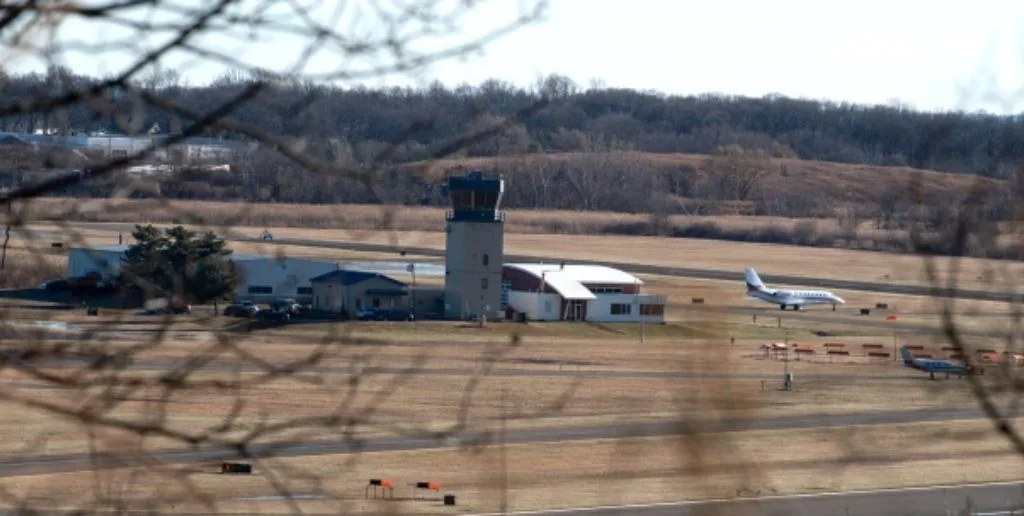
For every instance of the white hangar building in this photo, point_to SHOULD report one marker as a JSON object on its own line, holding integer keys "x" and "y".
{"x": 560, "y": 292}
{"x": 264, "y": 278}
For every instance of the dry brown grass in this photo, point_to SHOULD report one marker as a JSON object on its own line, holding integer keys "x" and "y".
{"x": 591, "y": 473}
{"x": 26, "y": 268}
{"x": 543, "y": 366}
{"x": 838, "y": 181}
{"x": 404, "y": 218}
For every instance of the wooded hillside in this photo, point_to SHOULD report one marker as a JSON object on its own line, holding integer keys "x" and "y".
{"x": 360, "y": 122}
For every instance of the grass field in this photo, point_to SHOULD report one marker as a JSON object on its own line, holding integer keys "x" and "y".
{"x": 626, "y": 470}
{"x": 593, "y": 362}
{"x": 822, "y": 232}
{"x": 835, "y": 181}
{"x": 599, "y": 472}
{"x": 554, "y": 374}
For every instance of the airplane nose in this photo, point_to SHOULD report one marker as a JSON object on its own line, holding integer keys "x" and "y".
{"x": 840, "y": 300}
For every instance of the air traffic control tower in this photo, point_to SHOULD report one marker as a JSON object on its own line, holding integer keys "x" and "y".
{"x": 474, "y": 245}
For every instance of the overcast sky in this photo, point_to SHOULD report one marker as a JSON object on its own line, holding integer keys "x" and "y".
{"x": 931, "y": 55}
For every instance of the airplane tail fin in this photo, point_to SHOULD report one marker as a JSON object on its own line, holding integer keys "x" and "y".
{"x": 908, "y": 357}
{"x": 754, "y": 282}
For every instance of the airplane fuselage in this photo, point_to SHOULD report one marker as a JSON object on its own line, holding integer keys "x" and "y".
{"x": 795, "y": 298}
{"x": 756, "y": 289}
{"x": 933, "y": 366}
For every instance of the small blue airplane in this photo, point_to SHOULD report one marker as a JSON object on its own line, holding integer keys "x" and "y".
{"x": 933, "y": 366}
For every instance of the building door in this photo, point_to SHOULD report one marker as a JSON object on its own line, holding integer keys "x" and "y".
{"x": 574, "y": 310}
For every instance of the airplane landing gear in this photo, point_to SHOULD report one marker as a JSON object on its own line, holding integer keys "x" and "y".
{"x": 931, "y": 375}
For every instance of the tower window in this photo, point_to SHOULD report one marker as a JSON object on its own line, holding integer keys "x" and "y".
{"x": 483, "y": 283}
{"x": 486, "y": 260}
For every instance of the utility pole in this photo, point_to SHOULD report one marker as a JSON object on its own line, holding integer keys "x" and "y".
{"x": 639, "y": 312}
{"x": 504, "y": 461}
{"x": 895, "y": 353}
{"x": 785, "y": 365}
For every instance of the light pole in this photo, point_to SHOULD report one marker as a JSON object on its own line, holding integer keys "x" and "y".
{"x": 540, "y": 291}
{"x": 636, "y": 300}
{"x": 412, "y": 270}
{"x": 786, "y": 385}
{"x": 895, "y": 353}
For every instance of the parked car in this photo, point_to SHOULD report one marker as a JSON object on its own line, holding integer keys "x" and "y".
{"x": 275, "y": 315}
{"x": 368, "y": 314}
{"x": 384, "y": 314}
{"x": 287, "y": 306}
{"x": 173, "y": 309}
{"x": 241, "y": 309}
{"x": 167, "y": 306}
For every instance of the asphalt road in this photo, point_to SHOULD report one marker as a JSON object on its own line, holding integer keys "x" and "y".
{"x": 566, "y": 372}
{"x": 998, "y": 499}
{"x": 40, "y": 464}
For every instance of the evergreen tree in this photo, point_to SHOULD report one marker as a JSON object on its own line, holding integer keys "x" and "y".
{"x": 179, "y": 263}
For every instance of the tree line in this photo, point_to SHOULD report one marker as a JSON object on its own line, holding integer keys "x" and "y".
{"x": 357, "y": 123}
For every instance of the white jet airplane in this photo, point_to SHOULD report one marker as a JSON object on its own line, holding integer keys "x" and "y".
{"x": 756, "y": 289}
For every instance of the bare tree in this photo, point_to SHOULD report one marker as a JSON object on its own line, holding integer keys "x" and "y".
{"x": 387, "y": 38}
{"x": 735, "y": 173}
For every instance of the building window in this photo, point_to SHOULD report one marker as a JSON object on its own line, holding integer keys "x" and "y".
{"x": 256, "y": 289}
{"x": 305, "y": 291}
{"x": 547, "y": 307}
{"x": 483, "y": 283}
{"x": 486, "y": 260}
{"x": 652, "y": 309}
{"x": 376, "y": 302}
{"x": 606, "y": 290}
{"x": 621, "y": 309}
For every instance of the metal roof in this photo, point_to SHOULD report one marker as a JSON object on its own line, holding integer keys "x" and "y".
{"x": 570, "y": 281}
{"x": 351, "y": 277}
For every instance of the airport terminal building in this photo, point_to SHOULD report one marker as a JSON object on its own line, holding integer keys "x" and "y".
{"x": 264, "y": 278}
{"x": 561, "y": 292}
{"x": 477, "y": 280}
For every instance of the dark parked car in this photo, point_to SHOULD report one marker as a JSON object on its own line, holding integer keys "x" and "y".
{"x": 242, "y": 309}
{"x": 385, "y": 314}
{"x": 275, "y": 315}
{"x": 286, "y": 306}
{"x": 368, "y": 314}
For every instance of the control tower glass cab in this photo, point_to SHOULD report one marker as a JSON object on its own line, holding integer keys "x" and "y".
{"x": 474, "y": 198}
{"x": 474, "y": 245}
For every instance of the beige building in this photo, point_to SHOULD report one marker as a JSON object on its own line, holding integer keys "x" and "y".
{"x": 348, "y": 292}
{"x": 474, "y": 248}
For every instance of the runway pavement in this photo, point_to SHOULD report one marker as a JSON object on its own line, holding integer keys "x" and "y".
{"x": 71, "y": 462}
{"x": 995, "y": 499}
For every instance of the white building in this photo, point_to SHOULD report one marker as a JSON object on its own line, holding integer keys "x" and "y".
{"x": 121, "y": 146}
{"x": 264, "y": 278}
{"x": 553, "y": 292}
